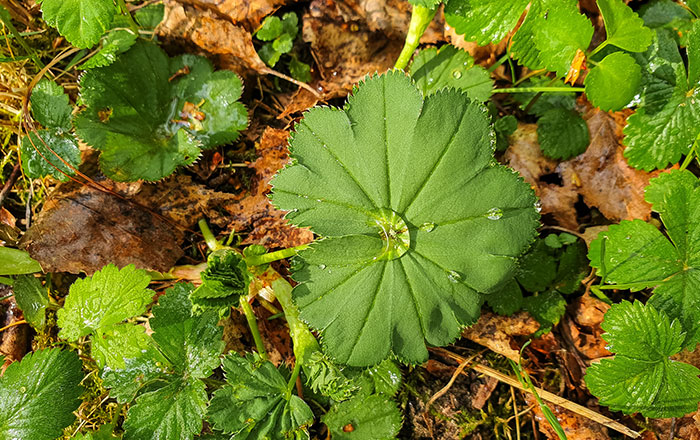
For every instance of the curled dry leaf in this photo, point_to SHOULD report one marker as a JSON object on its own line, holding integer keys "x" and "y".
{"x": 496, "y": 332}
{"x": 575, "y": 426}
{"x": 600, "y": 176}
{"x": 255, "y": 213}
{"x": 582, "y": 330}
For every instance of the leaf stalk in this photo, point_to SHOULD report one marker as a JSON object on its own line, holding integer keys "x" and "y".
{"x": 420, "y": 20}
{"x": 253, "y": 324}
{"x": 258, "y": 260}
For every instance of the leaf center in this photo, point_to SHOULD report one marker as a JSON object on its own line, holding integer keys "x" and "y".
{"x": 394, "y": 232}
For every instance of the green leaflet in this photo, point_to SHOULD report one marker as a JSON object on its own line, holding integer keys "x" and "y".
{"x": 667, "y": 120}
{"x": 562, "y": 134}
{"x": 623, "y": 27}
{"x": 51, "y": 106}
{"x": 104, "y": 299}
{"x": 167, "y": 124}
{"x": 224, "y": 280}
{"x": 255, "y": 404}
{"x": 547, "y": 308}
{"x": 82, "y": 22}
{"x": 484, "y": 21}
{"x": 16, "y": 262}
{"x": 434, "y": 69}
{"x": 642, "y": 377}
{"x": 280, "y": 35}
{"x": 32, "y": 298}
{"x": 373, "y": 417}
{"x": 636, "y": 255}
{"x": 114, "y": 43}
{"x": 421, "y": 236}
{"x": 39, "y": 394}
{"x": 614, "y": 82}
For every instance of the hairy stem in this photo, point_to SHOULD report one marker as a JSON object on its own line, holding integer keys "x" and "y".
{"x": 293, "y": 378}
{"x": 539, "y": 89}
{"x": 258, "y": 260}
{"x": 253, "y": 324}
{"x": 420, "y": 19}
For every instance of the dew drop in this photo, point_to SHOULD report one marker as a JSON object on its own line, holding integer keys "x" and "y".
{"x": 538, "y": 206}
{"x": 494, "y": 214}
{"x": 23, "y": 390}
{"x": 321, "y": 266}
{"x": 456, "y": 74}
{"x": 427, "y": 227}
{"x": 454, "y": 277}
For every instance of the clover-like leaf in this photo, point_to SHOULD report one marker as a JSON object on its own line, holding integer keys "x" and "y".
{"x": 636, "y": 255}
{"x": 623, "y": 27}
{"x": 562, "y": 134}
{"x": 82, "y": 22}
{"x": 39, "y": 394}
{"x": 106, "y": 298}
{"x": 667, "y": 120}
{"x": 373, "y": 417}
{"x": 426, "y": 212}
{"x": 182, "y": 106}
{"x": 642, "y": 377}
{"x": 255, "y": 404}
{"x": 434, "y": 69}
{"x": 613, "y": 82}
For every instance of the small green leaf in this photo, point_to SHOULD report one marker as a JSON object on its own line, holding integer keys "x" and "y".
{"x": 146, "y": 136}
{"x": 537, "y": 269}
{"x": 150, "y": 16}
{"x": 642, "y": 377}
{"x": 119, "y": 342}
{"x": 17, "y": 262}
{"x": 326, "y": 378}
{"x": 562, "y": 134}
{"x": 39, "y": 394}
{"x": 504, "y": 127}
{"x": 373, "y": 417}
{"x": 82, "y": 22}
{"x": 44, "y": 162}
{"x": 573, "y": 267}
{"x": 424, "y": 228}
{"x": 254, "y": 404}
{"x": 106, "y": 298}
{"x": 283, "y": 43}
{"x": 506, "y": 301}
{"x": 300, "y": 70}
{"x": 270, "y": 29}
{"x": 124, "y": 383}
{"x": 114, "y": 43}
{"x": 225, "y": 279}
{"x": 32, "y": 298}
{"x": 269, "y": 55}
{"x": 623, "y": 26}
{"x": 484, "y": 21}
{"x": 434, "y": 69}
{"x": 547, "y": 308}
{"x": 51, "y": 106}
{"x": 173, "y": 411}
{"x": 290, "y": 24}
{"x": 614, "y": 82}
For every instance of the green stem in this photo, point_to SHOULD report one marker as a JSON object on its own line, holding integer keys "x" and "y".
{"x": 258, "y": 260}
{"x": 500, "y": 61}
{"x": 539, "y": 89}
{"x": 209, "y": 238}
{"x": 7, "y": 21}
{"x": 627, "y": 286}
{"x": 3, "y": 298}
{"x": 125, "y": 11}
{"x": 598, "y": 49}
{"x": 293, "y": 379}
{"x": 691, "y": 154}
{"x": 253, "y": 324}
{"x": 420, "y": 19}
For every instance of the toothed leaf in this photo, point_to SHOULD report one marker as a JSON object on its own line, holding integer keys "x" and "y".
{"x": 51, "y": 106}
{"x": 224, "y": 280}
{"x": 373, "y": 417}
{"x": 82, "y": 22}
{"x": 562, "y": 134}
{"x": 44, "y": 162}
{"x": 642, "y": 377}
{"x": 623, "y": 27}
{"x": 116, "y": 42}
{"x": 484, "y": 21}
{"x": 424, "y": 229}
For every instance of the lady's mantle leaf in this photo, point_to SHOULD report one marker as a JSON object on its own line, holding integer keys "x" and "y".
{"x": 425, "y": 214}
{"x": 433, "y": 70}
{"x": 106, "y": 298}
{"x": 82, "y": 22}
{"x": 373, "y": 417}
{"x": 562, "y": 134}
{"x": 668, "y": 119}
{"x": 637, "y": 253}
{"x": 255, "y": 404}
{"x": 613, "y": 83}
{"x": 181, "y": 107}
{"x": 642, "y": 377}
{"x": 39, "y": 394}
{"x": 623, "y": 27}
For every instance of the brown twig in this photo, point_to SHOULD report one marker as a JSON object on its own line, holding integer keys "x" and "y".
{"x": 13, "y": 325}
{"x": 10, "y": 182}
{"x": 544, "y": 394}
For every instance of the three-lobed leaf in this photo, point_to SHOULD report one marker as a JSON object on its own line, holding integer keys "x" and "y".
{"x": 39, "y": 394}
{"x": 623, "y": 27}
{"x": 425, "y": 210}
{"x": 642, "y": 377}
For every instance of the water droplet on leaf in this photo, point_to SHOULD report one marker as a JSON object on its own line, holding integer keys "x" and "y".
{"x": 456, "y": 74}
{"x": 321, "y": 266}
{"x": 454, "y": 277}
{"x": 427, "y": 227}
{"x": 494, "y": 214}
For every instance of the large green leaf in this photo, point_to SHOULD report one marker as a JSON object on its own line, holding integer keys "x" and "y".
{"x": 430, "y": 221}
{"x": 642, "y": 377}
{"x": 637, "y": 254}
{"x": 39, "y": 394}
{"x": 667, "y": 121}
{"x": 434, "y": 69}
{"x": 613, "y": 82}
{"x": 82, "y": 22}
{"x": 255, "y": 404}
{"x": 106, "y": 298}
{"x": 173, "y": 116}
{"x": 623, "y": 27}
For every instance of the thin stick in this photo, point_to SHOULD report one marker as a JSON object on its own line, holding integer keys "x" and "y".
{"x": 291, "y": 80}
{"x": 544, "y": 394}
{"x": 12, "y": 325}
{"x": 447, "y": 387}
{"x": 10, "y": 182}
{"x": 515, "y": 410}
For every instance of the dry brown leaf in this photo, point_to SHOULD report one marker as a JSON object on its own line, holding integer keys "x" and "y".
{"x": 601, "y": 175}
{"x": 581, "y": 327}
{"x": 496, "y": 332}
{"x": 255, "y": 213}
{"x": 576, "y": 427}
{"x": 249, "y": 13}
{"x": 14, "y": 342}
